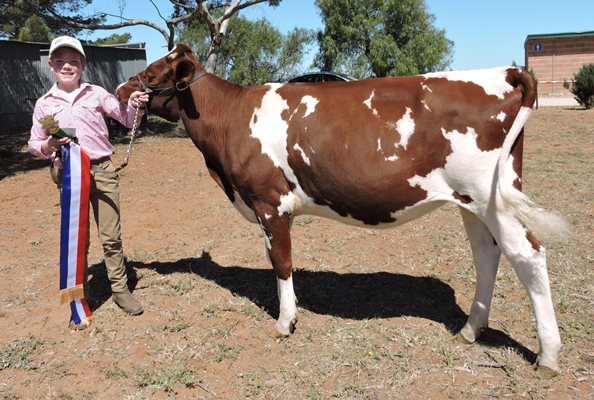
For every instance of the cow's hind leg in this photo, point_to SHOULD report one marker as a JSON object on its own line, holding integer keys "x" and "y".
{"x": 528, "y": 258}
{"x": 486, "y": 256}
{"x": 278, "y": 248}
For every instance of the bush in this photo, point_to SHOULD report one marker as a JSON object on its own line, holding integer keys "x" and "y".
{"x": 583, "y": 86}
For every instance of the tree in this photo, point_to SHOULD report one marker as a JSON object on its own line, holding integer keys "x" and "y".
{"x": 255, "y": 52}
{"x": 582, "y": 86}
{"x": 32, "y": 19}
{"x": 380, "y": 38}
{"x": 114, "y": 39}
{"x": 57, "y": 13}
{"x": 34, "y": 30}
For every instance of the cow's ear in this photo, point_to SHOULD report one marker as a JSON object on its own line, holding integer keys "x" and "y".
{"x": 184, "y": 70}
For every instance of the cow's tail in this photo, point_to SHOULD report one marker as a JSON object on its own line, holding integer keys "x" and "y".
{"x": 545, "y": 225}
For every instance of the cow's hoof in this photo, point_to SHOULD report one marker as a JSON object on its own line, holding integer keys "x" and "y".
{"x": 467, "y": 335}
{"x": 546, "y": 371}
{"x": 284, "y": 331}
{"x": 275, "y": 334}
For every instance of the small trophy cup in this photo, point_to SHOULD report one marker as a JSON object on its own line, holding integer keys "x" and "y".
{"x": 54, "y": 129}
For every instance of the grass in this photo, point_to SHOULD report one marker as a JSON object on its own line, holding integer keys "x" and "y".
{"x": 165, "y": 379}
{"x": 19, "y": 354}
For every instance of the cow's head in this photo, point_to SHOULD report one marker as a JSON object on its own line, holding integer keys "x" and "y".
{"x": 165, "y": 80}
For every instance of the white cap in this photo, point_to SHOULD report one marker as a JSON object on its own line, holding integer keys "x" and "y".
{"x": 66, "y": 41}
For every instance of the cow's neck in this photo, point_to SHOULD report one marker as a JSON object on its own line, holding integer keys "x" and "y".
{"x": 206, "y": 111}
{"x": 205, "y": 115}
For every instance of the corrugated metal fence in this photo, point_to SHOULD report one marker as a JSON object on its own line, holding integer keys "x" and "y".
{"x": 25, "y": 74}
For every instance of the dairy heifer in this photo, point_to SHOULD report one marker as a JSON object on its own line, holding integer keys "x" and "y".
{"x": 372, "y": 153}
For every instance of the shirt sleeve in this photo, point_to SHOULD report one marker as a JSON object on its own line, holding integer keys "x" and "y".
{"x": 38, "y": 133}
{"x": 117, "y": 110}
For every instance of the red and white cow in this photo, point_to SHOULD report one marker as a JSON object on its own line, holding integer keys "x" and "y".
{"x": 372, "y": 153}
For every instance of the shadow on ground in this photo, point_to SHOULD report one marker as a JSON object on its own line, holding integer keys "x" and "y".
{"x": 352, "y": 295}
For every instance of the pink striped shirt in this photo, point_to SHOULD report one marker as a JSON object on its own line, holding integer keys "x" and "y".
{"x": 84, "y": 115}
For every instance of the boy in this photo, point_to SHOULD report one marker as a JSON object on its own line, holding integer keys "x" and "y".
{"x": 80, "y": 106}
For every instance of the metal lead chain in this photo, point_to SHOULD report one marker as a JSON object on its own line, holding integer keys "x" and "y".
{"x": 132, "y": 136}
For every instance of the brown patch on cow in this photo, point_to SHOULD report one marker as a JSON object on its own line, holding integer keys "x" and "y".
{"x": 463, "y": 198}
{"x": 534, "y": 242}
{"x": 351, "y": 157}
{"x": 477, "y": 112}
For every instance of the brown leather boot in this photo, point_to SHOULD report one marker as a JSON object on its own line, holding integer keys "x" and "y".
{"x": 128, "y": 303}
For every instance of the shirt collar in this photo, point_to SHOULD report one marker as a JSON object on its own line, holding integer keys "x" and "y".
{"x": 53, "y": 92}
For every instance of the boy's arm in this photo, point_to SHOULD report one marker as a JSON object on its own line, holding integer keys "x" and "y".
{"x": 38, "y": 142}
{"x": 124, "y": 113}
{"x": 41, "y": 143}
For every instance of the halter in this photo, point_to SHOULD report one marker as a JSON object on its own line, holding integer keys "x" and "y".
{"x": 179, "y": 86}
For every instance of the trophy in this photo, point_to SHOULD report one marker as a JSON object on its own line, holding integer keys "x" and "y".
{"x": 54, "y": 129}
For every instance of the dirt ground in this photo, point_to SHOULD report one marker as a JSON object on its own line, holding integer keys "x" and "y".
{"x": 379, "y": 310}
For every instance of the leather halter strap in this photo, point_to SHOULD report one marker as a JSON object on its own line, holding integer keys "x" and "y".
{"x": 164, "y": 91}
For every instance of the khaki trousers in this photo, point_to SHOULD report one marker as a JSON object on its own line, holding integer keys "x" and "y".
{"x": 105, "y": 202}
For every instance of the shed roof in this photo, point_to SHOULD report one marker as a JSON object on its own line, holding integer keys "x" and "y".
{"x": 557, "y": 35}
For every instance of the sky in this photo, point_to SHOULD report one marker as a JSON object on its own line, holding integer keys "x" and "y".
{"x": 486, "y": 33}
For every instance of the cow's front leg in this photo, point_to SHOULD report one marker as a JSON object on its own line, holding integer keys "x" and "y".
{"x": 278, "y": 248}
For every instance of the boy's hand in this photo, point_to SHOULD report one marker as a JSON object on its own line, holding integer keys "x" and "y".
{"x": 53, "y": 144}
{"x": 138, "y": 99}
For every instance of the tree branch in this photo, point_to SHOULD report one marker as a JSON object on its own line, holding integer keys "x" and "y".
{"x": 123, "y": 24}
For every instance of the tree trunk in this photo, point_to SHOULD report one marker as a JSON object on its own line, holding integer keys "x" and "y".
{"x": 218, "y": 38}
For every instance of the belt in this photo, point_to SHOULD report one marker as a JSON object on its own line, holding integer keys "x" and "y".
{"x": 100, "y": 160}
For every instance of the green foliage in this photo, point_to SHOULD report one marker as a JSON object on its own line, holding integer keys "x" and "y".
{"x": 34, "y": 30}
{"x": 167, "y": 378}
{"x": 583, "y": 86}
{"x": 114, "y": 39}
{"x": 254, "y": 52}
{"x": 16, "y": 22}
{"x": 380, "y": 38}
{"x": 18, "y": 354}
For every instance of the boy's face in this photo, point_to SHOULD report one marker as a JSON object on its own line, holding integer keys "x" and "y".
{"x": 67, "y": 65}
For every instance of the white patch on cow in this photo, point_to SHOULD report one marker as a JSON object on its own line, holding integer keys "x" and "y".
{"x": 287, "y": 305}
{"x": 391, "y": 158}
{"x": 267, "y": 216}
{"x": 288, "y": 203}
{"x": 405, "y": 127}
{"x": 425, "y": 87}
{"x": 310, "y": 103}
{"x": 268, "y": 126}
{"x": 303, "y": 155}
{"x": 172, "y": 55}
{"x": 491, "y": 80}
{"x": 464, "y": 172}
{"x": 243, "y": 208}
{"x": 368, "y": 103}
{"x": 267, "y": 241}
{"x": 425, "y": 105}
{"x": 500, "y": 117}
